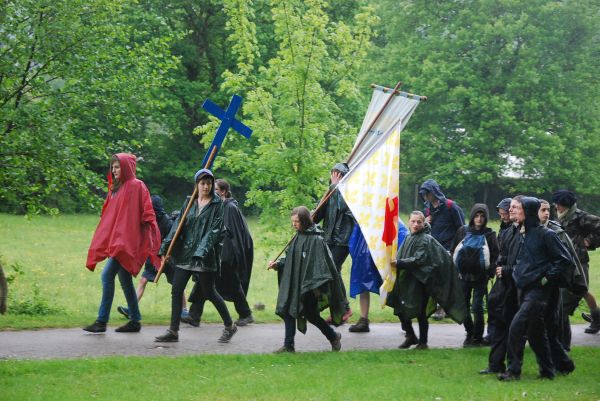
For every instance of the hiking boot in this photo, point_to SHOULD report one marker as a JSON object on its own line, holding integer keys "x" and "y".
{"x": 336, "y": 344}
{"x": 244, "y": 321}
{"x": 285, "y": 349}
{"x": 170, "y": 336}
{"x": 123, "y": 311}
{"x": 508, "y": 376}
{"x": 567, "y": 368}
{"x": 96, "y": 327}
{"x": 129, "y": 327}
{"x": 408, "y": 341}
{"x": 587, "y": 317}
{"x": 546, "y": 376}
{"x": 362, "y": 326}
{"x": 228, "y": 332}
{"x": 346, "y": 315}
{"x": 190, "y": 320}
{"x": 422, "y": 346}
{"x": 595, "y": 325}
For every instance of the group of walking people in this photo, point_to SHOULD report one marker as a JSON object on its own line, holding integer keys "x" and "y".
{"x": 540, "y": 267}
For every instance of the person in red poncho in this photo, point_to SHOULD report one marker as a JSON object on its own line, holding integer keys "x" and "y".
{"x": 127, "y": 235}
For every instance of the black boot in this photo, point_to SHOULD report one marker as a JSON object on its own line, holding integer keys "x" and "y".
{"x": 408, "y": 341}
{"x": 96, "y": 327}
{"x": 129, "y": 327}
{"x": 595, "y": 326}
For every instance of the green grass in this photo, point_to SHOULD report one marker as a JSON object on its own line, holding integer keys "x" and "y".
{"x": 383, "y": 375}
{"x": 51, "y": 252}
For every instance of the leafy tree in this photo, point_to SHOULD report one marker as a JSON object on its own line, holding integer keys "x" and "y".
{"x": 512, "y": 87}
{"x": 301, "y": 103}
{"x": 76, "y": 84}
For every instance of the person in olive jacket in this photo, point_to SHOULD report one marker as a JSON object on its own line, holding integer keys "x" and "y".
{"x": 338, "y": 224}
{"x": 308, "y": 283}
{"x": 197, "y": 253}
{"x": 426, "y": 275}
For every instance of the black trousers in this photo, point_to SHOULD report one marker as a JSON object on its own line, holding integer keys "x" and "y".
{"x": 421, "y": 318}
{"x": 528, "y": 324}
{"x": 553, "y": 321}
{"x": 311, "y": 313}
{"x": 339, "y": 254}
{"x": 206, "y": 283}
{"x": 238, "y": 297}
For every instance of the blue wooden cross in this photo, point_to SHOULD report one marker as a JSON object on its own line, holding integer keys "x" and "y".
{"x": 228, "y": 120}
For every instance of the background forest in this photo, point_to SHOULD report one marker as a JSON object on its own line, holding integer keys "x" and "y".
{"x": 513, "y": 90}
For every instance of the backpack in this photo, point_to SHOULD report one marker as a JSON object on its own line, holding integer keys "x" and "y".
{"x": 449, "y": 203}
{"x": 472, "y": 255}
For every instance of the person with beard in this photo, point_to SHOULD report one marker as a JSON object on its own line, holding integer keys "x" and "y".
{"x": 540, "y": 269}
{"x": 475, "y": 266}
{"x": 237, "y": 255}
{"x": 308, "y": 283}
{"x": 584, "y": 230}
{"x": 425, "y": 275}
{"x": 127, "y": 235}
{"x": 197, "y": 253}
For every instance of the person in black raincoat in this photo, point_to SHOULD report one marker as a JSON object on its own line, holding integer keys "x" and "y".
{"x": 584, "y": 230}
{"x": 338, "y": 225}
{"x": 197, "y": 253}
{"x": 426, "y": 275}
{"x": 558, "y": 323}
{"x": 308, "y": 283}
{"x": 541, "y": 265}
{"x": 474, "y": 283}
{"x": 237, "y": 255}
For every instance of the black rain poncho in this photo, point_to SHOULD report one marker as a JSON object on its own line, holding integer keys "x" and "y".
{"x": 422, "y": 259}
{"x": 237, "y": 253}
{"x": 308, "y": 266}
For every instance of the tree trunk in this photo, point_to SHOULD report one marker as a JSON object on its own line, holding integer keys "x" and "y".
{"x": 3, "y": 291}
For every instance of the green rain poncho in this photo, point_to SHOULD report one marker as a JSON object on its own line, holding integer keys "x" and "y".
{"x": 308, "y": 266}
{"x": 421, "y": 259}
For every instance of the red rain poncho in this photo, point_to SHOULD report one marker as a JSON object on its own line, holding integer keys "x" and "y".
{"x": 127, "y": 230}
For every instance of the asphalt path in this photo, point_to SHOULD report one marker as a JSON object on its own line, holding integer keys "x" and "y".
{"x": 251, "y": 339}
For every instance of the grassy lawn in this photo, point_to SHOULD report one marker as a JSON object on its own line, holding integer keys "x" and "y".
{"x": 55, "y": 287}
{"x": 384, "y": 375}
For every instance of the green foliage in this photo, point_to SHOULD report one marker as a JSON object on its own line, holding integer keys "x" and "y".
{"x": 297, "y": 102}
{"x": 76, "y": 85}
{"x": 511, "y": 89}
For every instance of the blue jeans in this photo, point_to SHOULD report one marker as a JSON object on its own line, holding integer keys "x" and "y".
{"x": 112, "y": 269}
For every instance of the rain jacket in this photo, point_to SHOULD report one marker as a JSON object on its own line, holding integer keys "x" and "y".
{"x": 127, "y": 230}
{"x": 581, "y": 225}
{"x": 237, "y": 253}
{"x": 490, "y": 237}
{"x": 198, "y": 245}
{"x": 446, "y": 219}
{"x": 542, "y": 254}
{"x": 338, "y": 220}
{"x": 423, "y": 260}
{"x": 308, "y": 266}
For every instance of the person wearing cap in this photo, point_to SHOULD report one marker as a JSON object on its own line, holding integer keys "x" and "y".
{"x": 538, "y": 272}
{"x": 197, "y": 253}
{"x": 584, "y": 230}
{"x": 505, "y": 222}
{"x": 338, "y": 224}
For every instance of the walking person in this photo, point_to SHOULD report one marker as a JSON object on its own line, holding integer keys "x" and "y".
{"x": 237, "y": 255}
{"x": 127, "y": 235}
{"x": 308, "y": 283}
{"x": 197, "y": 253}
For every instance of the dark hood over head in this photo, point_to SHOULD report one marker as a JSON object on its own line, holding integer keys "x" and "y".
{"x": 431, "y": 186}
{"x": 127, "y": 161}
{"x": 531, "y": 206}
{"x": 157, "y": 205}
{"x": 479, "y": 207}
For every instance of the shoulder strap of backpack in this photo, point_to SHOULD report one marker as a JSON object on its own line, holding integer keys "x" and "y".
{"x": 449, "y": 203}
